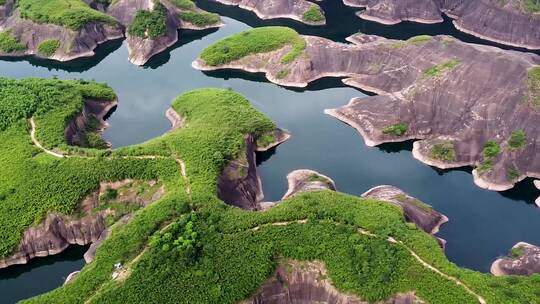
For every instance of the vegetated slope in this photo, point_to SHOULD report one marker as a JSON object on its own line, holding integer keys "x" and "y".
{"x": 511, "y": 22}
{"x": 469, "y": 105}
{"x": 189, "y": 247}
{"x": 301, "y": 10}
{"x": 32, "y": 27}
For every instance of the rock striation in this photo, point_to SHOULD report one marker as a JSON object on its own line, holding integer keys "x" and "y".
{"x": 308, "y": 282}
{"x": 453, "y": 96}
{"x": 239, "y": 184}
{"x": 523, "y": 260}
{"x": 414, "y": 210}
{"x": 82, "y": 43}
{"x": 307, "y": 180}
{"x": 271, "y": 9}
{"x": 505, "y": 22}
{"x": 57, "y": 231}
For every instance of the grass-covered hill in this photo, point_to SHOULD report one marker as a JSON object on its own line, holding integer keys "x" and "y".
{"x": 189, "y": 247}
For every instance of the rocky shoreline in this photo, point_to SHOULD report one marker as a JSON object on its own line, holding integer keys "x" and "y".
{"x": 506, "y": 22}
{"x": 74, "y": 44}
{"x": 524, "y": 260}
{"x": 411, "y": 77}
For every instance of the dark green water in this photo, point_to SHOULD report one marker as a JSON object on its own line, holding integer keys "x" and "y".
{"x": 483, "y": 224}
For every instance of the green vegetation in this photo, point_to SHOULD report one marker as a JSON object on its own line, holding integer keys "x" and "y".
{"x": 531, "y": 6}
{"x": 316, "y": 178}
{"x": 48, "y": 47}
{"x": 9, "y": 43}
{"x": 266, "y": 139}
{"x": 438, "y": 69}
{"x": 149, "y": 24}
{"x": 254, "y": 41}
{"x": 2, "y": 2}
{"x": 72, "y": 14}
{"x": 191, "y": 247}
{"x": 416, "y": 40}
{"x": 485, "y": 166}
{"x": 512, "y": 173}
{"x": 313, "y": 14}
{"x": 517, "y": 141}
{"x": 184, "y": 4}
{"x": 517, "y": 252}
{"x": 443, "y": 151}
{"x": 532, "y": 96}
{"x": 397, "y": 129}
{"x": 491, "y": 149}
{"x": 199, "y": 19}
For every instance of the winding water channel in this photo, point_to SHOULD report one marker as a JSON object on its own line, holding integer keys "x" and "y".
{"x": 483, "y": 224}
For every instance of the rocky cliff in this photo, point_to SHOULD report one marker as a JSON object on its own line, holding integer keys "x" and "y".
{"x": 308, "y": 282}
{"x": 415, "y": 211}
{"x": 458, "y": 99}
{"x": 271, "y": 9}
{"x": 307, "y": 180}
{"x": 74, "y": 44}
{"x": 239, "y": 184}
{"x": 507, "y": 22}
{"x": 57, "y": 231}
{"x": 524, "y": 259}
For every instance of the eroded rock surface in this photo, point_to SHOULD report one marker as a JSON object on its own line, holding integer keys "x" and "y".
{"x": 270, "y": 9}
{"x": 453, "y": 96}
{"x": 72, "y": 43}
{"x": 308, "y": 282}
{"x": 239, "y": 184}
{"x": 523, "y": 260}
{"x": 81, "y": 43}
{"x": 507, "y": 22}
{"x": 414, "y": 210}
{"x": 307, "y": 180}
{"x": 54, "y": 234}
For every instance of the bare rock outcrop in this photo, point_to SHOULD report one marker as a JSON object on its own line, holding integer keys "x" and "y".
{"x": 454, "y": 97}
{"x": 72, "y": 43}
{"x": 505, "y": 22}
{"x": 271, "y": 9}
{"x": 141, "y": 49}
{"x": 94, "y": 111}
{"x": 57, "y": 231}
{"x": 308, "y": 282}
{"x": 239, "y": 184}
{"x": 307, "y": 180}
{"x": 524, "y": 260}
{"x": 82, "y": 42}
{"x": 414, "y": 210}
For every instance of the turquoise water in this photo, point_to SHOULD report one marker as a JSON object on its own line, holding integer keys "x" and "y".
{"x": 483, "y": 224}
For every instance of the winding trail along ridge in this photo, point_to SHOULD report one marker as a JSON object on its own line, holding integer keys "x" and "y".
{"x": 392, "y": 240}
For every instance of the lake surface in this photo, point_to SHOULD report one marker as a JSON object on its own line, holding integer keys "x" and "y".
{"x": 483, "y": 224}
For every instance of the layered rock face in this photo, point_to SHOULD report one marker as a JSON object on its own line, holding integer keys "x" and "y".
{"x": 524, "y": 260}
{"x": 307, "y": 180}
{"x": 506, "y": 22}
{"x": 81, "y": 43}
{"x": 72, "y": 43}
{"x": 141, "y": 49}
{"x": 415, "y": 211}
{"x": 270, "y": 9}
{"x": 453, "y": 96}
{"x": 57, "y": 231}
{"x": 307, "y": 282}
{"x": 239, "y": 184}
{"x": 77, "y": 128}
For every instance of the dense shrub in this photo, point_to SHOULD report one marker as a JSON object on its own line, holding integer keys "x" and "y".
{"x": 397, "y": 129}
{"x": 149, "y": 24}
{"x": 517, "y": 140}
{"x": 199, "y": 18}
{"x": 9, "y": 43}
{"x": 72, "y": 14}
{"x": 443, "y": 151}
{"x": 48, "y": 47}
{"x": 313, "y": 14}
{"x": 257, "y": 40}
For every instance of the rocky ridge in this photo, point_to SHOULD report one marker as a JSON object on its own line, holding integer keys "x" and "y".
{"x": 308, "y": 282}
{"x": 505, "y": 22}
{"x": 524, "y": 260}
{"x": 271, "y": 9}
{"x": 82, "y": 43}
{"x": 454, "y": 97}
